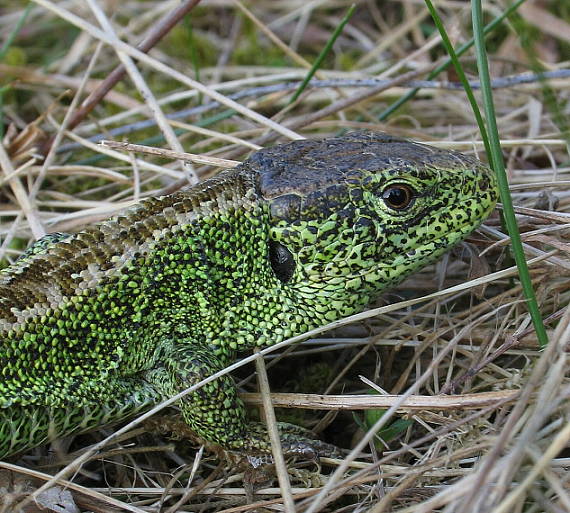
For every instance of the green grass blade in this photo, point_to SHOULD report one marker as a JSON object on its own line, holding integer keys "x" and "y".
{"x": 496, "y": 159}
{"x": 444, "y": 65}
{"x": 3, "y": 51}
{"x": 20, "y": 23}
{"x": 193, "y": 53}
{"x": 459, "y": 69}
{"x": 324, "y": 52}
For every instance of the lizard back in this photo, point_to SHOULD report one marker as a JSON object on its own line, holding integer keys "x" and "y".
{"x": 67, "y": 311}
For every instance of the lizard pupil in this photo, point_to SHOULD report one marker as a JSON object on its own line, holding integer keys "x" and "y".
{"x": 282, "y": 261}
{"x": 398, "y": 196}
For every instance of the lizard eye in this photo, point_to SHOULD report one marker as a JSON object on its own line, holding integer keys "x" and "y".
{"x": 282, "y": 261}
{"x": 398, "y": 196}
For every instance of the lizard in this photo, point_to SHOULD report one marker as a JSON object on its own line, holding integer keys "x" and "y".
{"x": 98, "y": 325}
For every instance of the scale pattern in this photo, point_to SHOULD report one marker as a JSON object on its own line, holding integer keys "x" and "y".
{"x": 99, "y": 325}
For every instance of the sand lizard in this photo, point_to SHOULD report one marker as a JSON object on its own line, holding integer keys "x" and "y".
{"x": 101, "y": 324}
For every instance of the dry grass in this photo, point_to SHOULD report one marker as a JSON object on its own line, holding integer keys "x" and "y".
{"x": 498, "y": 441}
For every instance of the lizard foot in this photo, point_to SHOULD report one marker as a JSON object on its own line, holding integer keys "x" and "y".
{"x": 295, "y": 442}
{"x": 254, "y": 446}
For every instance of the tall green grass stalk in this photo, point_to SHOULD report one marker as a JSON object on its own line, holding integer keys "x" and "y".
{"x": 496, "y": 158}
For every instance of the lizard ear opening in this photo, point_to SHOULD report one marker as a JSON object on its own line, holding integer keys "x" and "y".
{"x": 282, "y": 261}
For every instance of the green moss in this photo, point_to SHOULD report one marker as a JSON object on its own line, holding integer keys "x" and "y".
{"x": 188, "y": 45}
{"x": 16, "y": 56}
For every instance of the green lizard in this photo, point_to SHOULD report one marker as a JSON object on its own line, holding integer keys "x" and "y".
{"x": 99, "y": 325}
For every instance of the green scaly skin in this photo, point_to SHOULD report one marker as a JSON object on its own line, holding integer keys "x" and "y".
{"x": 99, "y": 325}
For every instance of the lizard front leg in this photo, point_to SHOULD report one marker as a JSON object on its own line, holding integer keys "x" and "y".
{"x": 215, "y": 412}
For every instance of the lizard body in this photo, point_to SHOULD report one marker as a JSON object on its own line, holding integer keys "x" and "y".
{"x": 101, "y": 324}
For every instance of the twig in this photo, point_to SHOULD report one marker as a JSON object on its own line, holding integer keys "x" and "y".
{"x": 276, "y": 448}
{"x": 162, "y": 152}
{"x": 143, "y": 89}
{"x": 373, "y": 402}
{"x": 499, "y": 83}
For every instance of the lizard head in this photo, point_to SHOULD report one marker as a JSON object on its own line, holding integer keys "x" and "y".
{"x": 353, "y": 215}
